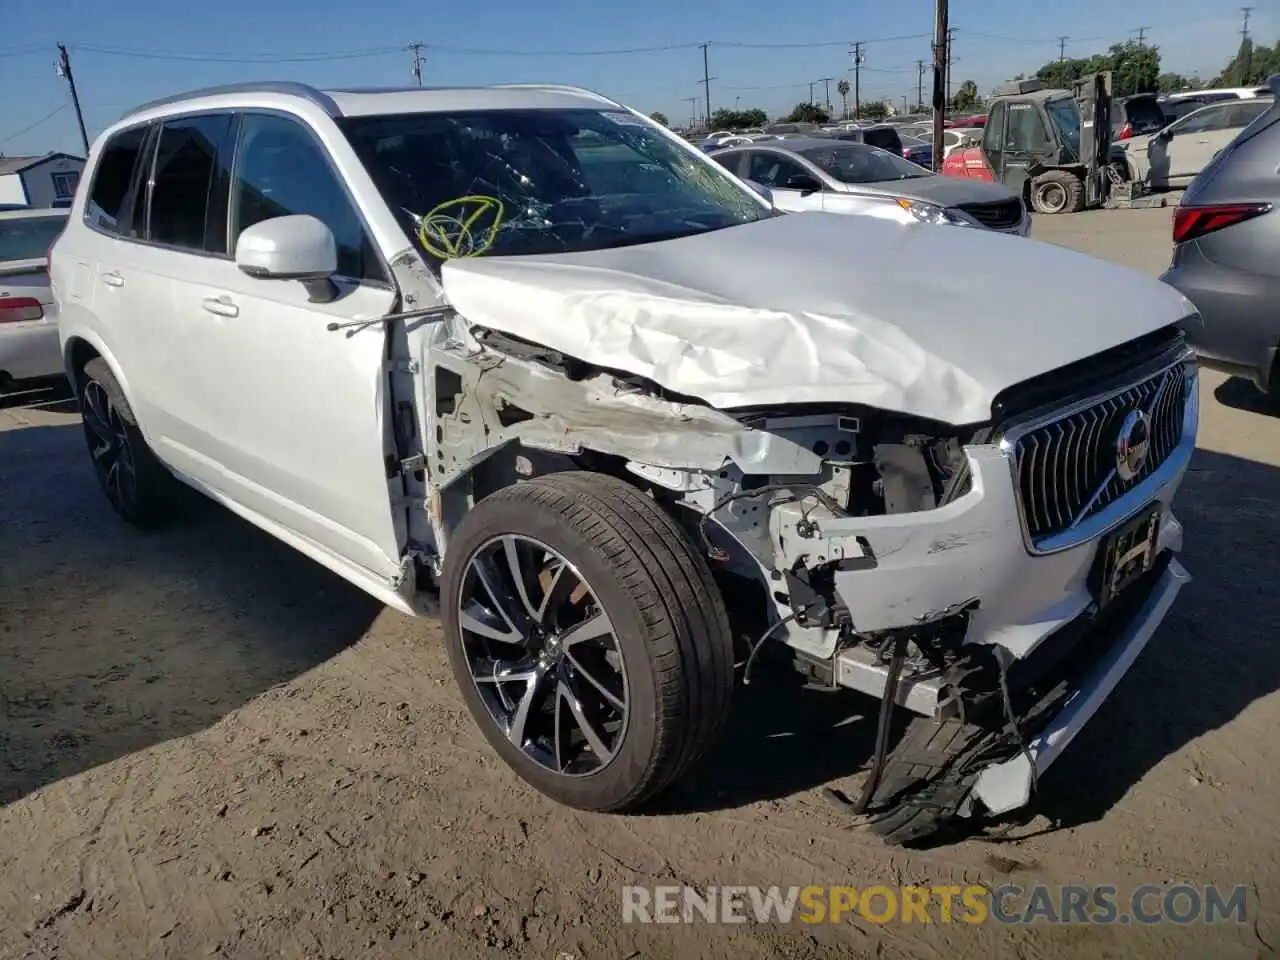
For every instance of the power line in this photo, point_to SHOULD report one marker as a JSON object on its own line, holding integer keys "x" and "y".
{"x": 45, "y": 119}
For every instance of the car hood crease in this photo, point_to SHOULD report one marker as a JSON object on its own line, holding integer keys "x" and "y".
{"x": 925, "y": 320}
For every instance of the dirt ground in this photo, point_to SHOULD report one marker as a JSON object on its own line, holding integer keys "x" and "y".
{"x": 209, "y": 746}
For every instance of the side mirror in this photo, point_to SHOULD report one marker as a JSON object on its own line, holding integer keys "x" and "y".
{"x": 802, "y": 182}
{"x": 761, "y": 189}
{"x": 295, "y": 247}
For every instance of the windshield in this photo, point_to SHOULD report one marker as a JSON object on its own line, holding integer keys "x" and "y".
{"x": 512, "y": 182}
{"x": 29, "y": 238}
{"x": 1065, "y": 118}
{"x": 859, "y": 163}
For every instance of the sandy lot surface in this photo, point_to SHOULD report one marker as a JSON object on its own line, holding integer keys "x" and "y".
{"x": 211, "y": 747}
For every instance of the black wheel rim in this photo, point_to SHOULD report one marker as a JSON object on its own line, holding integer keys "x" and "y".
{"x": 1053, "y": 197}
{"x": 543, "y": 655}
{"x": 109, "y": 446}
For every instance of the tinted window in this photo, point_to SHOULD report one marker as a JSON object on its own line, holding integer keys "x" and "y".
{"x": 113, "y": 179}
{"x": 1026, "y": 133}
{"x": 1246, "y": 111}
{"x": 29, "y": 238}
{"x": 993, "y": 134}
{"x": 1143, "y": 113}
{"x": 511, "y": 182}
{"x": 729, "y": 161}
{"x": 884, "y": 138}
{"x": 862, "y": 163}
{"x": 1204, "y": 120}
{"x": 282, "y": 171}
{"x": 773, "y": 169}
{"x": 189, "y": 195}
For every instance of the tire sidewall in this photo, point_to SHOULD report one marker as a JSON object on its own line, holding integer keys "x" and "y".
{"x": 1039, "y": 191}
{"x": 610, "y": 786}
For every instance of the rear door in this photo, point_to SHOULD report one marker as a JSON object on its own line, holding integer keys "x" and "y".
{"x": 1191, "y": 144}
{"x": 775, "y": 170}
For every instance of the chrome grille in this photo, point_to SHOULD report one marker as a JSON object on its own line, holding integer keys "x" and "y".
{"x": 1066, "y": 468}
{"x": 1000, "y": 215}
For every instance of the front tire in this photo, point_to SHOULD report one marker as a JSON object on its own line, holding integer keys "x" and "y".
{"x": 1057, "y": 192}
{"x": 587, "y": 637}
{"x": 137, "y": 485}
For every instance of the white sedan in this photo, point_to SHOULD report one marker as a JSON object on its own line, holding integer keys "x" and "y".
{"x": 28, "y": 317}
{"x": 1174, "y": 156}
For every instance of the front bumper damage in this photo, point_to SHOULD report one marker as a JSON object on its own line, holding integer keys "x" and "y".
{"x": 967, "y": 571}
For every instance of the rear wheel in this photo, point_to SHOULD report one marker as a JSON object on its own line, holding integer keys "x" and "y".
{"x": 137, "y": 485}
{"x": 1057, "y": 192}
{"x": 587, "y": 637}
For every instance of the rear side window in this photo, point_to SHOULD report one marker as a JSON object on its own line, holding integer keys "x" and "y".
{"x": 884, "y": 138}
{"x": 113, "y": 180}
{"x": 1144, "y": 113}
{"x": 189, "y": 195}
{"x": 28, "y": 238}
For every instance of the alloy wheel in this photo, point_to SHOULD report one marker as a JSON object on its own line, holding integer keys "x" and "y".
{"x": 544, "y": 656}
{"x": 109, "y": 446}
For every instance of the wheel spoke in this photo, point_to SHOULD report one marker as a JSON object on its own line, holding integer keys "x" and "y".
{"x": 609, "y": 695}
{"x": 504, "y": 604}
{"x": 474, "y": 624}
{"x": 95, "y": 417}
{"x": 595, "y": 627}
{"x": 519, "y": 574}
{"x": 501, "y": 674}
{"x": 520, "y": 719}
{"x": 594, "y": 740}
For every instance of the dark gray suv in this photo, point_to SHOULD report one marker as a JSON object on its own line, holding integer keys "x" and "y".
{"x": 1226, "y": 255}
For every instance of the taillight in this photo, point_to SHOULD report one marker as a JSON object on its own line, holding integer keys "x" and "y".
{"x": 1125, "y": 132}
{"x": 17, "y": 309}
{"x": 1191, "y": 223}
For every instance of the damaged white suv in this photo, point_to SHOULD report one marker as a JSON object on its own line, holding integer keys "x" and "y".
{"x": 521, "y": 356}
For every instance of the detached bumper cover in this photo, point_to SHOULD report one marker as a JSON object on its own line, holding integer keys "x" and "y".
{"x": 1006, "y": 786}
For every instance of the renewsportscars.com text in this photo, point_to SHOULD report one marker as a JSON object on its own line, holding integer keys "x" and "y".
{"x": 974, "y": 904}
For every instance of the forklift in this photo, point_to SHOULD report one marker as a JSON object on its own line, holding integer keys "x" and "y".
{"x": 1054, "y": 148}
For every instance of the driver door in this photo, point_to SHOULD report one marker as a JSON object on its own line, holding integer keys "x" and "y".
{"x": 290, "y": 418}
{"x": 775, "y": 170}
{"x": 1189, "y": 144}
{"x": 1026, "y": 140}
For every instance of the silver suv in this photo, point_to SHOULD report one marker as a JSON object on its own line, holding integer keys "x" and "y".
{"x": 523, "y": 357}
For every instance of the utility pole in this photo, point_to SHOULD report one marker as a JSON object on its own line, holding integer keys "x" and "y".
{"x": 416, "y": 48}
{"x": 1142, "y": 35}
{"x": 1246, "y": 46}
{"x": 919, "y": 83}
{"x": 940, "y": 58}
{"x": 826, "y": 81}
{"x": 706, "y": 80}
{"x": 693, "y": 111}
{"x": 857, "y": 80}
{"x": 950, "y": 34}
{"x": 812, "y": 84}
{"x": 1062, "y": 48}
{"x": 64, "y": 71}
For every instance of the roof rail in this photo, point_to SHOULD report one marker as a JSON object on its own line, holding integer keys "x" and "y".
{"x": 289, "y": 87}
{"x": 565, "y": 87}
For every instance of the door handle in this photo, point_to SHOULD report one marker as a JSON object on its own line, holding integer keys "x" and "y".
{"x": 113, "y": 279}
{"x": 222, "y": 306}
{"x": 1202, "y": 141}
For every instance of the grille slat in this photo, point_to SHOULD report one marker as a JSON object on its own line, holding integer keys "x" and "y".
{"x": 1061, "y": 464}
{"x": 1000, "y": 215}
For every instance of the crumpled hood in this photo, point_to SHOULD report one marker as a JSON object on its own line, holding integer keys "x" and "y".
{"x": 927, "y": 320}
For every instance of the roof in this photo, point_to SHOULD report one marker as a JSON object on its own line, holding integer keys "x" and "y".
{"x": 796, "y": 145}
{"x": 20, "y": 164}
{"x": 28, "y": 212}
{"x": 388, "y": 100}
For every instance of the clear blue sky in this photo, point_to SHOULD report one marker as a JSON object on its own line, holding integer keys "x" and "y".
{"x": 188, "y": 45}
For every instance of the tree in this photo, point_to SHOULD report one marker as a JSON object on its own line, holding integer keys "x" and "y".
{"x": 1135, "y": 68}
{"x": 1172, "y": 83}
{"x": 724, "y": 119}
{"x": 1251, "y": 66}
{"x": 659, "y": 117}
{"x": 843, "y": 89}
{"x": 875, "y": 110}
{"x": 966, "y": 98}
{"x": 809, "y": 113}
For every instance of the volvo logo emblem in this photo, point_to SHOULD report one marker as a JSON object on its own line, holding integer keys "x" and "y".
{"x": 1133, "y": 444}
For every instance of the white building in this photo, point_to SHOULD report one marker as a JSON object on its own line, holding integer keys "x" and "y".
{"x": 48, "y": 181}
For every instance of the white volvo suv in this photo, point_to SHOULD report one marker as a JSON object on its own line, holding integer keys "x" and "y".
{"x": 523, "y": 357}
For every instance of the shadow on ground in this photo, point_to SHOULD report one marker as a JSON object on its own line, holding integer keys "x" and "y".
{"x": 1215, "y": 655}
{"x": 112, "y": 640}
{"x": 1240, "y": 393}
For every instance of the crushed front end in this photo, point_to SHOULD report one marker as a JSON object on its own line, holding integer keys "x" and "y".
{"x": 996, "y": 581}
